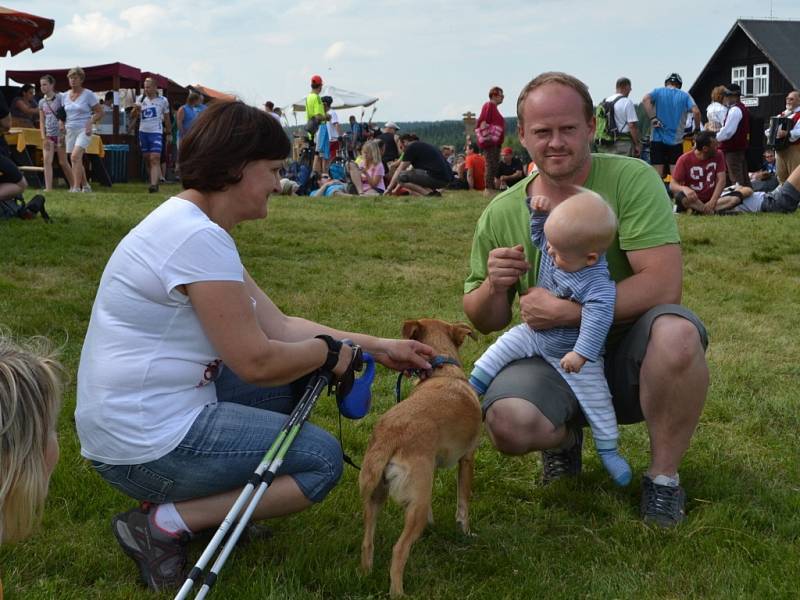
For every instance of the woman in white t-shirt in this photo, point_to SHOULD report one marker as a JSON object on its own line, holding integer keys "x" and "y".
{"x": 83, "y": 111}
{"x": 171, "y": 409}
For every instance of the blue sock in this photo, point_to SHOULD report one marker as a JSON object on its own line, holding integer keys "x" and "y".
{"x": 617, "y": 467}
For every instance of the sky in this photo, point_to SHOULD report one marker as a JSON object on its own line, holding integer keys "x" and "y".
{"x": 427, "y": 60}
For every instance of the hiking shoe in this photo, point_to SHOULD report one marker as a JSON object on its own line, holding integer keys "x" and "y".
{"x": 564, "y": 462}
{"x": 161, "y": 557}
{"x": 152, "y": 189}
{"x": 663, "y": 505}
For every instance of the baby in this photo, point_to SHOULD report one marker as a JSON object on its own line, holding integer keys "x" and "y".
{"x": 572, "y": 241}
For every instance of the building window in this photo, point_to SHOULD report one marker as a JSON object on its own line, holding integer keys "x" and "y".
{"x": 761, "y": 80}
{"x": 739, "y": 76}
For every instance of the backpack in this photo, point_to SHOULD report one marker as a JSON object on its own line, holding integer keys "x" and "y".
{"x": 16, "y": 207}
{"x": 606, "y": 130}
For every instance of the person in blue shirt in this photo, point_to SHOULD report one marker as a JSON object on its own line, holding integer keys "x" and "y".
{"x": 667, "y": 108}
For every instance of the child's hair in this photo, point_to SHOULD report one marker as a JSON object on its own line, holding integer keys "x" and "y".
{"x": 371, "y": 152}
{"x": 30, "y": 398}
{"x": 583, "y": 221}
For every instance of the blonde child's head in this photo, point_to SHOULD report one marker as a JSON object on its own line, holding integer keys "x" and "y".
{"x": 372, "y": 152}
{"x": 579, "y": 230}
{"x": 30, "y": 398}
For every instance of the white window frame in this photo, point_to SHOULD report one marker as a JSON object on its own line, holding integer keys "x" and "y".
{"x": 739, "y": 76}
{"x": 761, "y": 80}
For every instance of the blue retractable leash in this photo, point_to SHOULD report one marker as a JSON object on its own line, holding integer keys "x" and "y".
{"x": 356, "y": 403}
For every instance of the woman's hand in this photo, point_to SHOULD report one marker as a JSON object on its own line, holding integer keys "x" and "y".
{"x": 403, "y": 355}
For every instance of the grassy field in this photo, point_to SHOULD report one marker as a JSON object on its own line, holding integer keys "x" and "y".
{"x": 367, "y": 264}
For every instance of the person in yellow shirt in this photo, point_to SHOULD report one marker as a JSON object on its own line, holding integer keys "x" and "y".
{"x": 315, "y": 114}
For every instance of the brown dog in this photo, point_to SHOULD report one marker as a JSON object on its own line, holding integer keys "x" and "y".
{"x": 438, "y": 425}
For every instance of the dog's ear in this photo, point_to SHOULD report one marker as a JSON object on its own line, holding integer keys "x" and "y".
{"x": 459, "y": 331}
{"x": 411, "y": 329}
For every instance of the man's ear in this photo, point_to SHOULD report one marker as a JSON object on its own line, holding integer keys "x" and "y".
{"x": 592, "y": 258}
{"x": 411, "y": 329}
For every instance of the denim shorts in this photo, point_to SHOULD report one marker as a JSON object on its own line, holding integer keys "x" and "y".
{"x": 225, "y": 445}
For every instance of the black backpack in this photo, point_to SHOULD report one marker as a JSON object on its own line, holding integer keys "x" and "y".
{"x": 16, "y": 207}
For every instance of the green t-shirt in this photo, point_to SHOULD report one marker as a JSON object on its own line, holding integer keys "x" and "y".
{"x": 632, "y": 188}
{"x": 314, "y": 106}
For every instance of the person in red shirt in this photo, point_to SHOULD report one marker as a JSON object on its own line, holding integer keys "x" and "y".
{"x": 699, "y": 175}
{"x": 475, "y": 166}
{"x": 490, "y": 128}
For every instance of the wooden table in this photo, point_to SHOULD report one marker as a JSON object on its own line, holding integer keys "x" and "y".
{"x": 22, "y": 137}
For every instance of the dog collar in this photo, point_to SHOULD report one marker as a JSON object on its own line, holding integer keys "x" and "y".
{"x": 437, "y": 362}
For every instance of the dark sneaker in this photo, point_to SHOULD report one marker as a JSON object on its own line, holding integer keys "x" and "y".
{"x": 153, "y": 189}
{"x": 562, "y": 463}
{"x": 161, "y": 557}
{"x": 663, "y": 505}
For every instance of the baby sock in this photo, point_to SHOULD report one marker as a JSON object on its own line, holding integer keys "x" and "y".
{"x": 479, "y": 380}
{"x": 617, "y": 467}
{"x": 168, "y": 519}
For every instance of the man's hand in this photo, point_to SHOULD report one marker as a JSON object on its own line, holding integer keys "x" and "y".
{"x": 572, "y": 362}
{"x": 542, "y": 310}
{"x": 691, "y": 195}
{"x": 637, "y": 150}
{"x": 505, "y": 266}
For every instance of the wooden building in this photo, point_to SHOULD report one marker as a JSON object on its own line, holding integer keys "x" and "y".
{"x": 763, "y": 57}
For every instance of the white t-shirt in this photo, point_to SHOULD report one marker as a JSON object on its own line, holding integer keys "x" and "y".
{"x": 147, "y": 367}
{"x": 624, "y": 113}
{"x": 80, "y": 110}
{"x": 152, "y": 115}
{"x": 333, "y": 131}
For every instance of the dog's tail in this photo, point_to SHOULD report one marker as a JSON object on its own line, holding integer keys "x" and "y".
{"x": 371, "y": 475}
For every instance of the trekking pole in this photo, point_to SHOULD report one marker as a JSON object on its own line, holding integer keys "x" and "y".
{"x": 312, "y": 394}
{"x": 278, "y": 449}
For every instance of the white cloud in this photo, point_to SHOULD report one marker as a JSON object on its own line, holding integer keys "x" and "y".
{"x": 334, "y": 51}
{"x": 142, "y": 19}
{"x": 93, "y": 30}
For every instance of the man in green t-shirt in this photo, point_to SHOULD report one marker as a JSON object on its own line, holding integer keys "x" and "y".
{"x": 315, "y": 111}
{"x": 655, "y": 355}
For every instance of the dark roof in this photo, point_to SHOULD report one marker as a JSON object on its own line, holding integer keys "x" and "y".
{"x": 777, "y": 39}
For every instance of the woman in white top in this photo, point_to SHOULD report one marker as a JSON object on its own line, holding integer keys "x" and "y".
{"x": 188, "y": 367}
{"x": 716, "y": 111}
{"x": 83, "y": 111}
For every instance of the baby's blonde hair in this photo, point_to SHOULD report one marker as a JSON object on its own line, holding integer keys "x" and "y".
{"x": 583, "y": 222}
{"x": 30, "y": 398}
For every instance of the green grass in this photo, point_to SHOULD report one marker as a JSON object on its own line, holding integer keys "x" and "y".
{"x": 367, "y": 264}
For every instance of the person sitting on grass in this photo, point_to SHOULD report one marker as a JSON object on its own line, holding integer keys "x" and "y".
{"x": 30, "y": 399}
{"x": 188, "y": 368}
{"x": 423, "y": 171}
{"x": 699, "y": 176}
{"x": 572, "y": 241}
{"x": 368, "y": 177}
{"x": 738, "y": 199}
{"x": 475, "y": 166}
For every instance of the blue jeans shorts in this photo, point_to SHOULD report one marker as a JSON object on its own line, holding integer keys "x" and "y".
{"x": 225, "y": 445}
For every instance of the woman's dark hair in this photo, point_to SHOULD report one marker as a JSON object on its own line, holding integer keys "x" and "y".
{"x": 223, "y": 139}
{"x": 26, "y": 87}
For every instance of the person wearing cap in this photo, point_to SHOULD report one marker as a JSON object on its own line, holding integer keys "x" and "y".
{"x": 315, "y": 114}
{"x": 391, "y": 144}
{"x": 699, "y": 176}
{"x": 788, "y": 159}
{"x": 509, "y": 171}
{"x": 626, "y": 142}
{"x": 734, "y": 137}
{"x": 491, "y": 119}
{"x": 667, "y": 108}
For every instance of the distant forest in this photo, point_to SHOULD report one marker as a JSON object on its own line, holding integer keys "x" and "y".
{"x": 440, "y": 133}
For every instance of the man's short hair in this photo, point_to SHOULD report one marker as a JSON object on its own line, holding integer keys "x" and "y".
{"x": 495, "y": 91}
{"x": 409, "y": 137}
{"x": 561, "y": 79}
{"x": 623, "y": 82}
{"x": 269, "y": 105}
{"x": 49, "y": 79}
{"x": 26, "y": 87}
{"x": 703, "y": 139}
{"x": 475, "y": 148}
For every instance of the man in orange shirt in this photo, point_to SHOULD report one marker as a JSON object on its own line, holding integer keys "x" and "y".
{"x": 476, "y": 168}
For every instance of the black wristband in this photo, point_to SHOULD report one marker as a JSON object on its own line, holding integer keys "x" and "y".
{"x": 333, "y": 351}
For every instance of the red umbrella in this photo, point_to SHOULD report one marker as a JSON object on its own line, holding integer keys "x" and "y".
{"x": 20, "y": 31}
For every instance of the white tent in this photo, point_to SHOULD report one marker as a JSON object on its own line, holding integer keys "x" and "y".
{"x": 341, "y": 99}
